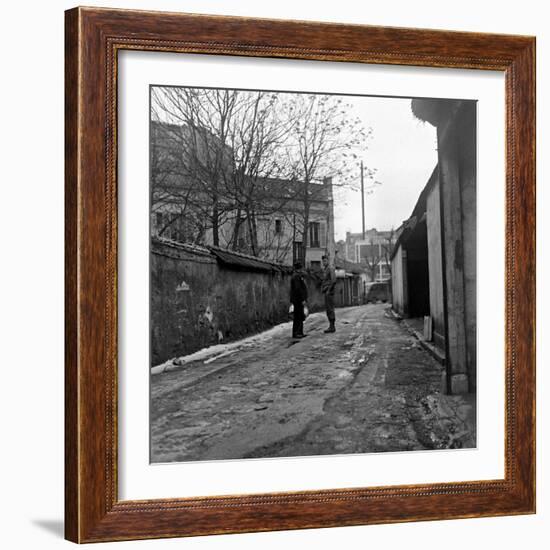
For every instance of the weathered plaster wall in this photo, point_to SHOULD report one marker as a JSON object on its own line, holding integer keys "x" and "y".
{"x": 399, "y": 282}
{"x": 433, "y": 222}
{"x": 197, "y": 302}
{"x": 457, "y": 162}
{"x": 467, "y": 148}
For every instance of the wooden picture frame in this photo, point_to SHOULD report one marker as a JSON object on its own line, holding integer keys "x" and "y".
{"x": 93, "y": 511}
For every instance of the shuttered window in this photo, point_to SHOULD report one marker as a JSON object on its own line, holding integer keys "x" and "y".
{"x": 323, "y": 235}
{"x": 314, "y": 234}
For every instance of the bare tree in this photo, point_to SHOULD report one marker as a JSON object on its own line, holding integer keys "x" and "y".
{"x": 324, "y": 142}
{"x": 193, "y": 124}
{"x": 225, "y": 143}
{"x": 372, "y": 259}
{"x": 255, "y": 186}
{"x": 233, "y": 159}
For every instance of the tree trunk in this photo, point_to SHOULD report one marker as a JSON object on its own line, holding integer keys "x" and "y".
{"x": 215, "y": 212}
{"x": 215, "y": 223}
{"x": 236, "y": 231}
{"x": 252, "y": 230}
{"x": 305, "y": 232}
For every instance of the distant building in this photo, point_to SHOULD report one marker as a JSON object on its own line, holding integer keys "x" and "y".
{"x": 189, "y": 168}
{"x": 201, "y": 198}
{"x": 354, "y": 280}
{"x": 279, "y": 231}
{"x": 372, "y": 252}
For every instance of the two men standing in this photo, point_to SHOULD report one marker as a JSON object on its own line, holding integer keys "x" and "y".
{"x": 298, "y": 297}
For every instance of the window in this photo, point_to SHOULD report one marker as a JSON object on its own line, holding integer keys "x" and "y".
{"x": 297, "y": 252}
{"x": 173, "y": 224}
{"x": 170, "y": 229}
{"x": 278, "y": 227}
{"x": 158, "y": 222}
{"x": 314, "y": 235}
{"x": 164, "y": 227}
{"x": 369, "y": 252}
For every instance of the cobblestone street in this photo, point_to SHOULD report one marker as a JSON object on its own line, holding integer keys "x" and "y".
{"x": 369, "y": 387}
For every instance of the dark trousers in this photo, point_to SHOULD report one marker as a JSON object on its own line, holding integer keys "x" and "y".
{"x": 329, "y": 306}
{"x": 298, "y": 322}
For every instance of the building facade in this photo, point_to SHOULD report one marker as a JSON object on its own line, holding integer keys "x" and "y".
{"x": 275, "y": 219}
{"x": 372, "y": 251}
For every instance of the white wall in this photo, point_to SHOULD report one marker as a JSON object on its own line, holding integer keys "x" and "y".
{"x": 433, "y": 222}
{"x": 398, "y": 276}
{"x": 32, "y": 270}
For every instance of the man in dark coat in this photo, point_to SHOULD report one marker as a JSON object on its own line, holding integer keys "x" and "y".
{"x": 298, "y": 298}
{"x": 327, "y": 287}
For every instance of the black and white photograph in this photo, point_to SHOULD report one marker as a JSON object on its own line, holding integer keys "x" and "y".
{"x": 312, "y": 274}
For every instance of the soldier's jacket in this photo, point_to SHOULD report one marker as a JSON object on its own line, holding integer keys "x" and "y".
{"x": 329, "y": 280}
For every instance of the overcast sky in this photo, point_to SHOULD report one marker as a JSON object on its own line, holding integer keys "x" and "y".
{"x": 403, "y": 150}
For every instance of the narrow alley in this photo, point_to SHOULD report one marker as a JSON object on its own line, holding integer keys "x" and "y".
{"x": 370, "y": 387}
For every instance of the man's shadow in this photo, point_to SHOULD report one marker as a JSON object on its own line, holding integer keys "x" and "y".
{"x": 55, "y": 527}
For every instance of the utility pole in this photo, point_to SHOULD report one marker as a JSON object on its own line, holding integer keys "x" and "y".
{"x": 362, "y": 200}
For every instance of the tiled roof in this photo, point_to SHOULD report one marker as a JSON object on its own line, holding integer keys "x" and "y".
{"x": 237, "y": 259}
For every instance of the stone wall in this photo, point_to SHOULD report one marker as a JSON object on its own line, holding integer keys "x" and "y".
{"x": 196, "y": 301}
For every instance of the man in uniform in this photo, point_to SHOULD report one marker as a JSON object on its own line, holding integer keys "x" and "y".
{"x": 298, "y": 299}
{"x": 327, "y": 287}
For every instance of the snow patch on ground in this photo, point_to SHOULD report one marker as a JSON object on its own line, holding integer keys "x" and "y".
{"x": 210, "y": 354}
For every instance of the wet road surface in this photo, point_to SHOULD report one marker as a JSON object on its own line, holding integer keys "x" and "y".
{"x": 370, "y": 387}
